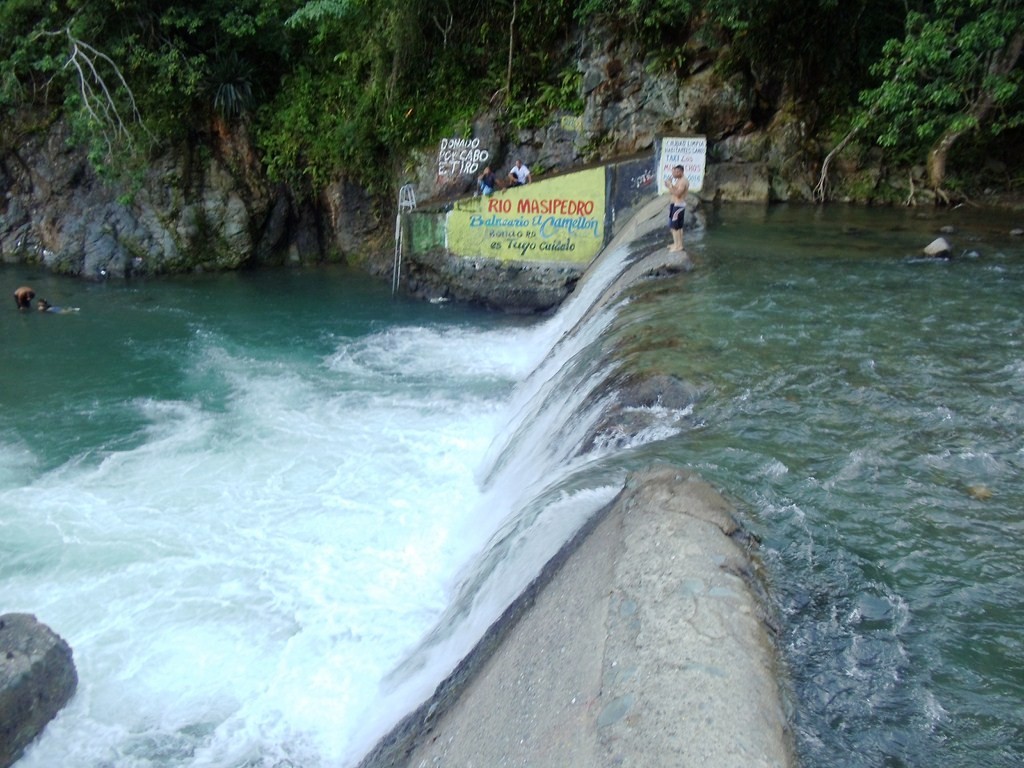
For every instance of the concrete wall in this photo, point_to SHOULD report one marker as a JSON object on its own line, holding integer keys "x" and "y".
{"x": 524, "y": 248}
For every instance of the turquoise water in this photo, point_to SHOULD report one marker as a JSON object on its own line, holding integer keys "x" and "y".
{"x": 865, "y": 408}
{"x": 246, "y": 499}
{"x": 243, "y": 500}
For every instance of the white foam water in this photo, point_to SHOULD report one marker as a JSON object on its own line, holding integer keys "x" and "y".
{"x": 236, "y": 583}
{"x": 274, "y": 569}
{"x": 273, "y": 560}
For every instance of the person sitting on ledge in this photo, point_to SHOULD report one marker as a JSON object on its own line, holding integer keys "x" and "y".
{"x": 519, "y": 174}
{"x": 487, "y": 182}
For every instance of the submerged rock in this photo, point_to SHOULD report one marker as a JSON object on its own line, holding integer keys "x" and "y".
{"x": 979, "y": 491}
{"x": 37, "y": 678}
{"x": 636, "y": 405}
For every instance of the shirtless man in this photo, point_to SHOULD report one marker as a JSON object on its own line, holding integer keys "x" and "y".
{"x": 678, "y": 187}
{"x": 23, "y": 297}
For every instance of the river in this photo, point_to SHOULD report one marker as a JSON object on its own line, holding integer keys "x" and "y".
{"x": 245, "y": 500}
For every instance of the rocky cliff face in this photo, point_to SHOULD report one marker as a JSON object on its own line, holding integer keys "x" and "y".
{"x": 209, "y": 206}
{"x": 194, "y": 208}
{"x": 756, "y": 152}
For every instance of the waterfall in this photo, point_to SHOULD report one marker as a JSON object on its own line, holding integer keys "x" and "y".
{"x": 268, "y": 520}
{"x": 542, "y": 477}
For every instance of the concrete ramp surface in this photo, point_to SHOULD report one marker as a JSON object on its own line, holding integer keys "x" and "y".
{"x": 648, "y": 647}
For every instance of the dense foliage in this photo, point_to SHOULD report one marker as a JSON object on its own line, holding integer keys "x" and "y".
{"x": 332, "y": 86}
{"x": 817, "y": 51}
{"x": 954, "y": 70}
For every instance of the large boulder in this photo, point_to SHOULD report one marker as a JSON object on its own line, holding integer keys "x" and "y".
{"x": 737, "y": 182}
{"x": 37, "y": 678}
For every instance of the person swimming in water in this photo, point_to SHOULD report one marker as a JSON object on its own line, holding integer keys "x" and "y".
{"x": 44, "y": 306}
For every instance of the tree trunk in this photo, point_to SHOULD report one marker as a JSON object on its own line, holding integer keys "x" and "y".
{"x": 821, "y": 188}
{"x": 937, "y": 161}
{"x": 511, "y": 50}
{"x": 1001, "y": 66}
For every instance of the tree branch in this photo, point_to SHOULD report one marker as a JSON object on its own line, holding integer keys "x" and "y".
{"x": 1001, "y": 64}
{"x": 446, "y": 28}
{"x": 821, "y": 188}
{"x": 511, "y": 49}
{"x": 97, "y": 98}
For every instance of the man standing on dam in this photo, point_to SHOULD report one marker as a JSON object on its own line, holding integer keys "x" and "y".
{"x": 678, "y": 186}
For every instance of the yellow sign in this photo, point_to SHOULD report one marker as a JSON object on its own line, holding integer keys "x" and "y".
{"x": 560, "y": 219}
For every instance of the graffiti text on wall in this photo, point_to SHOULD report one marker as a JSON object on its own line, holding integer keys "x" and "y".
{"x": 458, "y": 157}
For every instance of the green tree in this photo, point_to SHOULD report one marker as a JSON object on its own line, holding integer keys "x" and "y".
{"x": 383, "y": 76}
{"x": 174, "y": 64}
{"x": 955, "y": 70}
{"x": 812, "y": 52}
{"x": 376, "y": 76}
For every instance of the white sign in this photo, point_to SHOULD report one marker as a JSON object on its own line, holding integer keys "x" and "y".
{"x": 687, "y": 151}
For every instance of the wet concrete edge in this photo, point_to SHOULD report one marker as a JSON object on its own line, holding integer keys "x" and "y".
{"x": 394, "y": 749}
{"x": 766, "y": 737}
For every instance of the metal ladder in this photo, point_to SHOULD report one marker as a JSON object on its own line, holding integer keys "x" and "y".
{"x": 406, "y": 202}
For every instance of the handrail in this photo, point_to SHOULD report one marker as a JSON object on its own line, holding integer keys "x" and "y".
{"x": 406, "y": 202}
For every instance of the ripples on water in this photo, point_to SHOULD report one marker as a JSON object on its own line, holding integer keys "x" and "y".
{"x": 243, "y": 499}
{"x": 866, "y": 406}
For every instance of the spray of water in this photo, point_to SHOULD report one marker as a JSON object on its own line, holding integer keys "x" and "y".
{"x": 272, "y": 566}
